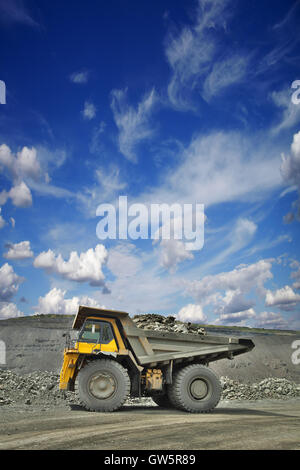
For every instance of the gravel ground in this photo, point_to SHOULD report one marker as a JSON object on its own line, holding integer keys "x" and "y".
{"x": 41, "y": 389}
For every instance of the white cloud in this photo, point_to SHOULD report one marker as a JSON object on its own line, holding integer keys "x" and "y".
{"x": 80, "y": 77}
{"x": 233, "y": 302}
{"x": 2, "y": 221}
{"x": 240, "y": 236}
{"x": 9, "y": 310}
{"x": 290, "y": 170}
{"x": 54, "y": 302}
{"x": 89, "y": 110}
{"x": 220, "y": 167}
{"x": 20, "y": 195}
{"x": 13, "y": 11}
{"x": 9, "y": 282}
{"x": 271, "y": 320}
{"x": 296, "y": 274}
{"x": 27, "y": 163}
{"x": 196, "y": 59}
{"x": 237, "y": 317}
{"x": 191, "y": 52}
{"x": 124, "y": 261}
{"x": 284, "y": 298}
{"x": 191, "y": 313}
{"x": 22, "y": 168}
{"x": 224, "y": 73}
{"x": 236, "y": 283}
{"x": 86, "y": 267}
{"x": 24, "y": 165}
{"x": 173, "y": 252}
{"x": 290, "y": 112}
{"x": 20, "y": 250}
{"x": 133, "y": 124}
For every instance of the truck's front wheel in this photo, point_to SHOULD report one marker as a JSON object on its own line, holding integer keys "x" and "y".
{"x": 196, "y": 389}
{"x": 103, "y": 385}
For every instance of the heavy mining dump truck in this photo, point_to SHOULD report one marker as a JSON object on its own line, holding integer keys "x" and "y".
{"x": 112, "y": 359}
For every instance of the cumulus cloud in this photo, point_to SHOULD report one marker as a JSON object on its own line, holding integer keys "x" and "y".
{"x": 89, "y": 110}
{"x": 20, "y": 195}
{"x": 191, "y": 313}
{"x": 173, "y": 252}
{"x": 24, "y": 164}
{"x": 54, "y": 302}
{"x": 133, "y": 124}
{"x": 284, "y": 298}
{"x": 233, "y": 302}
{"x": 242, "y": 279}
{"x": 20, "y": 250}
{"x": 9, "y": 282}
{"x": 86, "y": 267}
{"x": 9, "y": 310}
{"x": 19, "y": 168}
{"x": 226, "y": 293}
{"x": 29, "y": 169}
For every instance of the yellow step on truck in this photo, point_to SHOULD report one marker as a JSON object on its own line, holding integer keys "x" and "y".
{"x": 112, "y": 359}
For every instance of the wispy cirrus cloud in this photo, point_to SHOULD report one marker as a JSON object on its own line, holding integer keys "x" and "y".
{"x": 290, "y": 113}
{"x": 197, "y": 62}
{"x": 14, "y": 11}
{"x": 133, "y": 123}
{"x": 220, "y": 167}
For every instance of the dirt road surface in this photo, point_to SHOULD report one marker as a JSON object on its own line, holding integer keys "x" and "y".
{"x": 267, "y": 424}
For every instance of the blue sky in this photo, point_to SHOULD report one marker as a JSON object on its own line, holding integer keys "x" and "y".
{"x": 191, "y": 102}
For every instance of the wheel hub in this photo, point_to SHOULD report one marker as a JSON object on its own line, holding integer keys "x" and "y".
{"x": 198, "y": 389}
{"x": 102, "y": 385}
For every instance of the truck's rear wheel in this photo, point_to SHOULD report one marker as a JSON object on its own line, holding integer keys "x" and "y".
{"x": 196, "y": 389}
{"x": 162, "y": 400}
{"x": 103, "y": 385}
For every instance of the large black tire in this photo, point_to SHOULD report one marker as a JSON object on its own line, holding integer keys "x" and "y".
{"x": 162, "y": 400}
{"x": 195, "y": 389}
{"x": 102, "y": 385}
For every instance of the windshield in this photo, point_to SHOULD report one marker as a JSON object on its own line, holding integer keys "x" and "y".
{"x": 95, "y": 331}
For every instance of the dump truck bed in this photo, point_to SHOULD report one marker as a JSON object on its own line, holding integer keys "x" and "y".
{"x": 151, "y": 348}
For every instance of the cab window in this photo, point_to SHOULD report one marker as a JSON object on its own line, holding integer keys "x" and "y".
{"x": 95, "y": 331}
